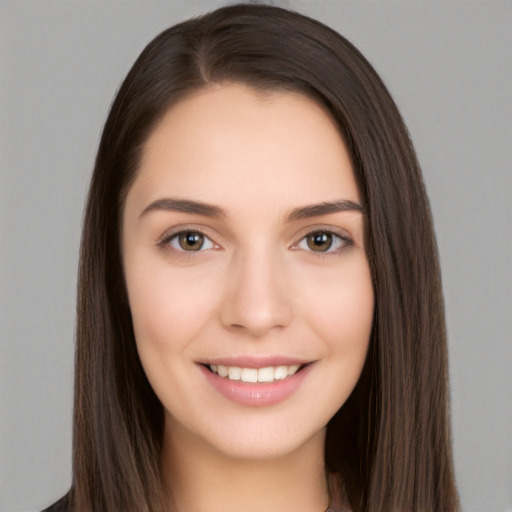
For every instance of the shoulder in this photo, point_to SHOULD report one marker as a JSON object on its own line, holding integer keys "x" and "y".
{"x": 60, "y": 506}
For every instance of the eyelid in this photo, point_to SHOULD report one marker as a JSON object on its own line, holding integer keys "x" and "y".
{"x": 165, "y": 239}
{"x": 337, "y": 232}
{"x": 340, "y": 233}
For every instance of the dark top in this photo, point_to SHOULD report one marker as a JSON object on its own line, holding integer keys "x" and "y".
{"x": 59, "y": 506}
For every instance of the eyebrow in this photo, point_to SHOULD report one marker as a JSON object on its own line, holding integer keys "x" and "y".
{"x": 209, "y": 210}
{"x": 186, "y": 206}
{"x": 324, "y": 208}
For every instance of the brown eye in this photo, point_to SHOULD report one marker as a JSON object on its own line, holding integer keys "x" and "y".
{"x": 190, "y": 241}
{"x": 324, "y": 242}
{"x": 319, "y": 241}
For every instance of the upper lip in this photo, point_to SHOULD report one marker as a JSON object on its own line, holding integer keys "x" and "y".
{"x": 255, "y": 361}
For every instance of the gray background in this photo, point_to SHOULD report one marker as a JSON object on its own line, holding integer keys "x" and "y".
{"x": 448, "y": 66}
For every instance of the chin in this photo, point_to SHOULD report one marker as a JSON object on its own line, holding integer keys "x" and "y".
{"x": 261, "y": 449}
{"x": 256, "y": 437}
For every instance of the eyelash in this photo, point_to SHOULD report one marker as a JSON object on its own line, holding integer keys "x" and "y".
{"x": 342, "y": 242}
{"x": 166, "y": 242}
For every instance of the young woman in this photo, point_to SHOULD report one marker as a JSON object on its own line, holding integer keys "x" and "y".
{"x": 260, "y": 318}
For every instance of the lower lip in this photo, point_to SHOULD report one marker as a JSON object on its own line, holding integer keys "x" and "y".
{"x": 257, "y": 393}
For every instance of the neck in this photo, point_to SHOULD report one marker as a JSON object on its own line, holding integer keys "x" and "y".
{"x": 198, "y": 478}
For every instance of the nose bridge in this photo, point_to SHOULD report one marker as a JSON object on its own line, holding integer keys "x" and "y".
{"x": 257, "y": 298}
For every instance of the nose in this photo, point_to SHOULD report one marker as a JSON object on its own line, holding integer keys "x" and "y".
{"x": 256, "y": 299}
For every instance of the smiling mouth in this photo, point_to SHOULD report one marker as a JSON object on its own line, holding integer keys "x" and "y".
{"x": 267, "y": 374}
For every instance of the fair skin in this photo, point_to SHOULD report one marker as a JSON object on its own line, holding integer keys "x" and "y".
{"x": 229, "y": 270}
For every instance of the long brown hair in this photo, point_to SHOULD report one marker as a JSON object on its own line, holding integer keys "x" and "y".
{"x": 390, "y": 443}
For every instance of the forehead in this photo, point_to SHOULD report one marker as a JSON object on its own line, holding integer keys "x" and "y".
{"x": 213, "y": 143}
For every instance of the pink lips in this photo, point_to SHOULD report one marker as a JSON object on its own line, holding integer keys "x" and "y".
{"x": 258, "y": 393}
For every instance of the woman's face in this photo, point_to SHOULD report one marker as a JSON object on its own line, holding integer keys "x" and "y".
{"x": 247, "y": 277}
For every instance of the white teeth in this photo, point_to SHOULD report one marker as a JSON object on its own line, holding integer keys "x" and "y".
{"x": 293, "y": 369}
{"x": 234, "y": 373}
{"x": 249, "y": 375}
{"x": 222, "y": 370}
{"x": 281, "y": 372}
{"x": 267, "y": 374}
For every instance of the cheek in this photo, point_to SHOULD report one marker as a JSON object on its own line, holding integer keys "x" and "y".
{"x": 341, "y": 308}
{"x": 168, "y": 308}
{"x": 342, "y": 318}
{"x": 169, "y": 311}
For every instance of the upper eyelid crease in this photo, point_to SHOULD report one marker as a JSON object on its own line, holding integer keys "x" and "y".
{"x": 170, "y": 234}
{"x": 327, "y": 228}
{"x": 346, "y": 239}
{"x": 173, "y": 232}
